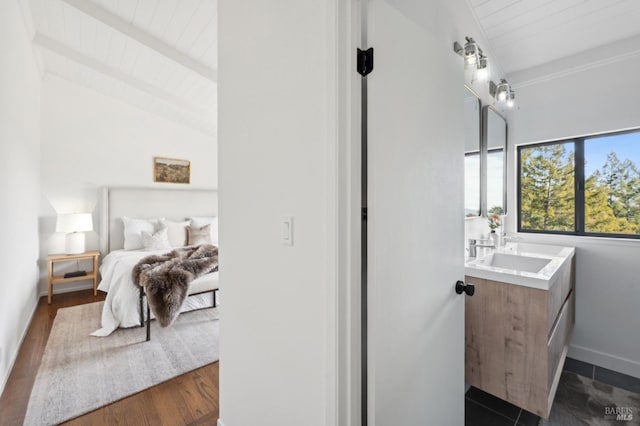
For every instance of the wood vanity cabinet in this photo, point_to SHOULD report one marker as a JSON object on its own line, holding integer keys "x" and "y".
{"x": 517, "y": 338}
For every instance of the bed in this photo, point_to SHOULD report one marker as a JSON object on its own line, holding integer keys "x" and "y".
{"x": 122, "y": 307}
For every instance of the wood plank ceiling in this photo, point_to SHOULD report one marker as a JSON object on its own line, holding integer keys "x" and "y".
{"x": 526, "y": 33}
{"x": 159, "y": 55}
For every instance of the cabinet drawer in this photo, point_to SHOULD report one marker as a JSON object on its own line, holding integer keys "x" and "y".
{"x": 559, "y": 340}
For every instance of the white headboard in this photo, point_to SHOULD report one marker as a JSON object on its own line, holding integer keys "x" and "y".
{"x": 176, "y": 204}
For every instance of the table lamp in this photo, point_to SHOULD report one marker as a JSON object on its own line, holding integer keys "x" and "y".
{"x": 75, "y": 225}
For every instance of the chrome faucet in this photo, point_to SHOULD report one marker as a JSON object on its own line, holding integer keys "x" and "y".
{"x": 473, "y": 246}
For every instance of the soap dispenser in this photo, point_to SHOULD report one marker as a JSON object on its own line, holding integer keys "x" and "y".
{"x": 494, "y": 238}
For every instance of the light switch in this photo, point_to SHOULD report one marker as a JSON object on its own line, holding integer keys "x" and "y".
{"x": 287, "y": 230}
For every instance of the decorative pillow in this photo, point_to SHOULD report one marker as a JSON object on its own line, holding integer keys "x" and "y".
{"x": 157, "y": 240}
{"x": 200, "y": 235}
{"x": 177, "y": 232}
{"x": 199, "y": 222}
{"x": 133, "y": 231}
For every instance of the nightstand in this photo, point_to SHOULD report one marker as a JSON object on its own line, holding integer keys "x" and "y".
{"x": 58, "y": 279}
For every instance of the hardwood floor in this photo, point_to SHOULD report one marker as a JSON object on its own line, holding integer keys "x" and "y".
{"x": 190, "y": 399}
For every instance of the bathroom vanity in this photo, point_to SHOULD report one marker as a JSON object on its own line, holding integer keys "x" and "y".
{"x": 519, "y": 323}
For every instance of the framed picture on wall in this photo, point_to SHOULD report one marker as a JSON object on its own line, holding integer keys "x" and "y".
{"x": 171, "y": 170}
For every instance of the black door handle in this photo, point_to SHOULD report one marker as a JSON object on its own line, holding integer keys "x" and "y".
{"x": 467, "y": 288}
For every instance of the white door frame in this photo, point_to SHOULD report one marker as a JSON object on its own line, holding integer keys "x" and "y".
{"x": 345, "y": 305}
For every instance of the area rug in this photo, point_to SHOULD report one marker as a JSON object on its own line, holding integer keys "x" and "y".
{"x": 581, "y": 401}
{"x": 80, "y": 373}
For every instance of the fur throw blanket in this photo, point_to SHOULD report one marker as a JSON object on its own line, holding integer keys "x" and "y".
{"x": 165, "y": 278}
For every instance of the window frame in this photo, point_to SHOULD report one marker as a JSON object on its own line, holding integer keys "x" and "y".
{"x": 579, "y": 187}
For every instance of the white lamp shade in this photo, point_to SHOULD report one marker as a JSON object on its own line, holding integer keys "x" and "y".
{"x": 74, "y": 222}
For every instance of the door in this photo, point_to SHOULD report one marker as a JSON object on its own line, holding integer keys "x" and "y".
{"x": 415, "y": 225}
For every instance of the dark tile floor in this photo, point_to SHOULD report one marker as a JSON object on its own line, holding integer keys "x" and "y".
{"x": 483, "y": 409}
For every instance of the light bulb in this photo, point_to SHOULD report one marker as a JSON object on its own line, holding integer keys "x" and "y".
{"x": 470, "y": 59}
{"x": 470, "y": 52}
{"x": 510, "y": 103}
{"x": 503, "y": 90}
{"x": 482, "y": 73}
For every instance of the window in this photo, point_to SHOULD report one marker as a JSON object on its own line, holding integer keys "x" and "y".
{"x": 472, "y": 184}
{"x": 495, "y": 181}
{"x": 582, "y": 186}
{"x": 547, "y": 189}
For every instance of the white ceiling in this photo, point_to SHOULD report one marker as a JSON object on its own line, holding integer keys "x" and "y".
{"x": 527, "y": 33}
{"x": 160, "y": 55}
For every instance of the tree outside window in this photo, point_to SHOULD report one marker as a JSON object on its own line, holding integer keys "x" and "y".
{"x": 585, "y": 186}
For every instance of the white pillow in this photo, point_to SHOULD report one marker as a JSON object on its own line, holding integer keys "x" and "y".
{"x": 133, "y": 231}
{"x": 199, "y": 222}
{"x": 157, "y": 240}
{"x": 177, "y": 232}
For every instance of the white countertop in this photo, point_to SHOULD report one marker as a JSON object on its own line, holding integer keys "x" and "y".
{"x": 557, "y": 257}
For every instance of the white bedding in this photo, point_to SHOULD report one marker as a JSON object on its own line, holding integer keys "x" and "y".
{"x": 122, "y": 304}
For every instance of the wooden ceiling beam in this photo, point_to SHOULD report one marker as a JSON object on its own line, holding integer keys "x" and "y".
{"x": 65, "y": 51}
{"x": 111, "y": 20}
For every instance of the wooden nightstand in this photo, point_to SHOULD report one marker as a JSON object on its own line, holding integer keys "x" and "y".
{"x": 57, "y": 279}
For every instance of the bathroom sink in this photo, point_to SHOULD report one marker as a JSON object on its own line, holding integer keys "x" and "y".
{"x": 522, "y": 248}
{"x": 527, "y": 264}
{"x": 515, "y": 262}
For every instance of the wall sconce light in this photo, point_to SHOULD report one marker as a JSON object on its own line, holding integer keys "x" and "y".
{"x": 502, "y": 92}
{"x": 473, "y": 56}
{"x": 471, "y": 51}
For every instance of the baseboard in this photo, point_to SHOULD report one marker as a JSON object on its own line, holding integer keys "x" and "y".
{"x": 14, "y": 356}
{"x": 605, "y": 360}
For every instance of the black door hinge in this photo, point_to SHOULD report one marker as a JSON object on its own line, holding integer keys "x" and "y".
{"x": 365, "y": 61}
{"x": 364, "y": 214}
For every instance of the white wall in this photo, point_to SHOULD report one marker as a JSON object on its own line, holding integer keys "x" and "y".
{"x": 277, "y": 138}
{"x": 275, "y": 145}
{"x": 19, "y": 182}
{"x": 90, "y": 140}
{"x": 598, "y": 99}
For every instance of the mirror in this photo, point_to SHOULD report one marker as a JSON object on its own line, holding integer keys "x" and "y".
{"x": 472, "y": 150}
{"x": 495, "y": 137}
